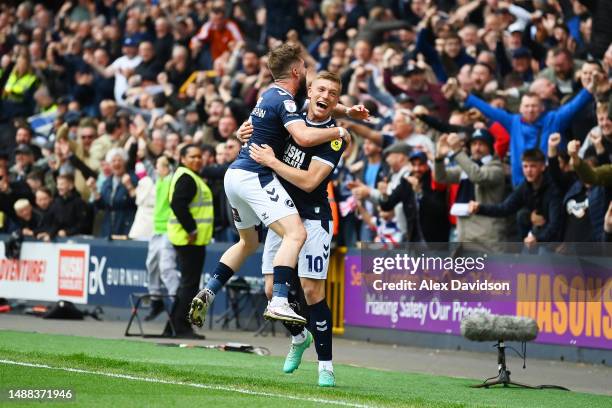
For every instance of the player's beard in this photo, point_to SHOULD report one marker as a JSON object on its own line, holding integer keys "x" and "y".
{"x": 302, "y": 91}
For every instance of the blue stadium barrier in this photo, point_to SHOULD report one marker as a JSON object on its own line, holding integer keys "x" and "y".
{"x": 117, "y": 268}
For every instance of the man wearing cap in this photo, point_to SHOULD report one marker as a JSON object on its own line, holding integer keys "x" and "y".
{"x": 24, "y": 163}
{"x": 481, "y": 178}
{"x": 397, "y": 157}
{"x": 521, "y": 64}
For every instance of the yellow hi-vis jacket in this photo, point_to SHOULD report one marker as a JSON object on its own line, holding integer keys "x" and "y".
{"x": 201, "y": 209}
{"x": 16, "y": 87}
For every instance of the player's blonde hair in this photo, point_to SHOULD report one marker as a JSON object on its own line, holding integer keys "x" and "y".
{"x": 330, "y": 76}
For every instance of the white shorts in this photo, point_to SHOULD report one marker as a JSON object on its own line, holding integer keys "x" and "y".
{"x": 313, "y": 260}
{"x": 253, "y": 203}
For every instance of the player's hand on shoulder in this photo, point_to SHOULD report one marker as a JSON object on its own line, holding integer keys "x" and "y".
{"x": 262, "y": 154}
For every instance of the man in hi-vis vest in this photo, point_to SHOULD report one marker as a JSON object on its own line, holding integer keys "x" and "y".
{"x": 190, "y": 229}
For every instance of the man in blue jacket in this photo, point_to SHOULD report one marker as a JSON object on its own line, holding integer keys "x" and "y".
{"x": 531, "y": 127}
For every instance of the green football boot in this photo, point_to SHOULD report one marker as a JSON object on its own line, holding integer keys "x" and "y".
{"x": 294, "y": 358}
{"x": 327, "y": 379}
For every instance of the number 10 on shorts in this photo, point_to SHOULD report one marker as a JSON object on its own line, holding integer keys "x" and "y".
{"x": 315, "y": 263}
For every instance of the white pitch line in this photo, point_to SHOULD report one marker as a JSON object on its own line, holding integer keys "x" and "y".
{"x": 195, "y": 385}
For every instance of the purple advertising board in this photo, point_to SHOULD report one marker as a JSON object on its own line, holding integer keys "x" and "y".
{"x": 580, "y": 323}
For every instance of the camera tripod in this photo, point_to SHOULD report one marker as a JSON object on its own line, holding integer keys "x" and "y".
{"x": 503, "y": 377}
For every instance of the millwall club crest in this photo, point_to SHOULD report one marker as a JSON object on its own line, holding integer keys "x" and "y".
{"x": 336, "y": 144}
{"x": 290, "y": 106}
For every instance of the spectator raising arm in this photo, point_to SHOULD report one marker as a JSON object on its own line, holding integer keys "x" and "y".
{"x": 365, "y": 132}
{"x": 356, "y": 112}
{"x": 379, "y": 94}
{"x": 64, "y": 148}
{"x": 599, "y": 176}
{"x": 495, "y": 114}
{"x": 563, "y": 180}
{"x": 443, "y": 126}
{"x": 566, "y": 112}
{"x": 424, "y": 46}
{"x": 441, "y": 173}
{"x": 482, "y": 175}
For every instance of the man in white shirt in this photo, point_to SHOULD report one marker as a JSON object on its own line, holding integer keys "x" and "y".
{"x": 122, "y": 68}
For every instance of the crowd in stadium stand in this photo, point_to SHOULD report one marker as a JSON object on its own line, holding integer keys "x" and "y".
{"x": 491, "y": 121}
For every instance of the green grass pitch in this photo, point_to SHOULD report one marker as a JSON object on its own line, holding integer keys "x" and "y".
{"x": 226, "y": 379}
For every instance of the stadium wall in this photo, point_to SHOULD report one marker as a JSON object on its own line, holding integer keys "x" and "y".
{"x": 420, "y": 323}
{"x": 105, "y": 273}
{"x": 93, "y": 271}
